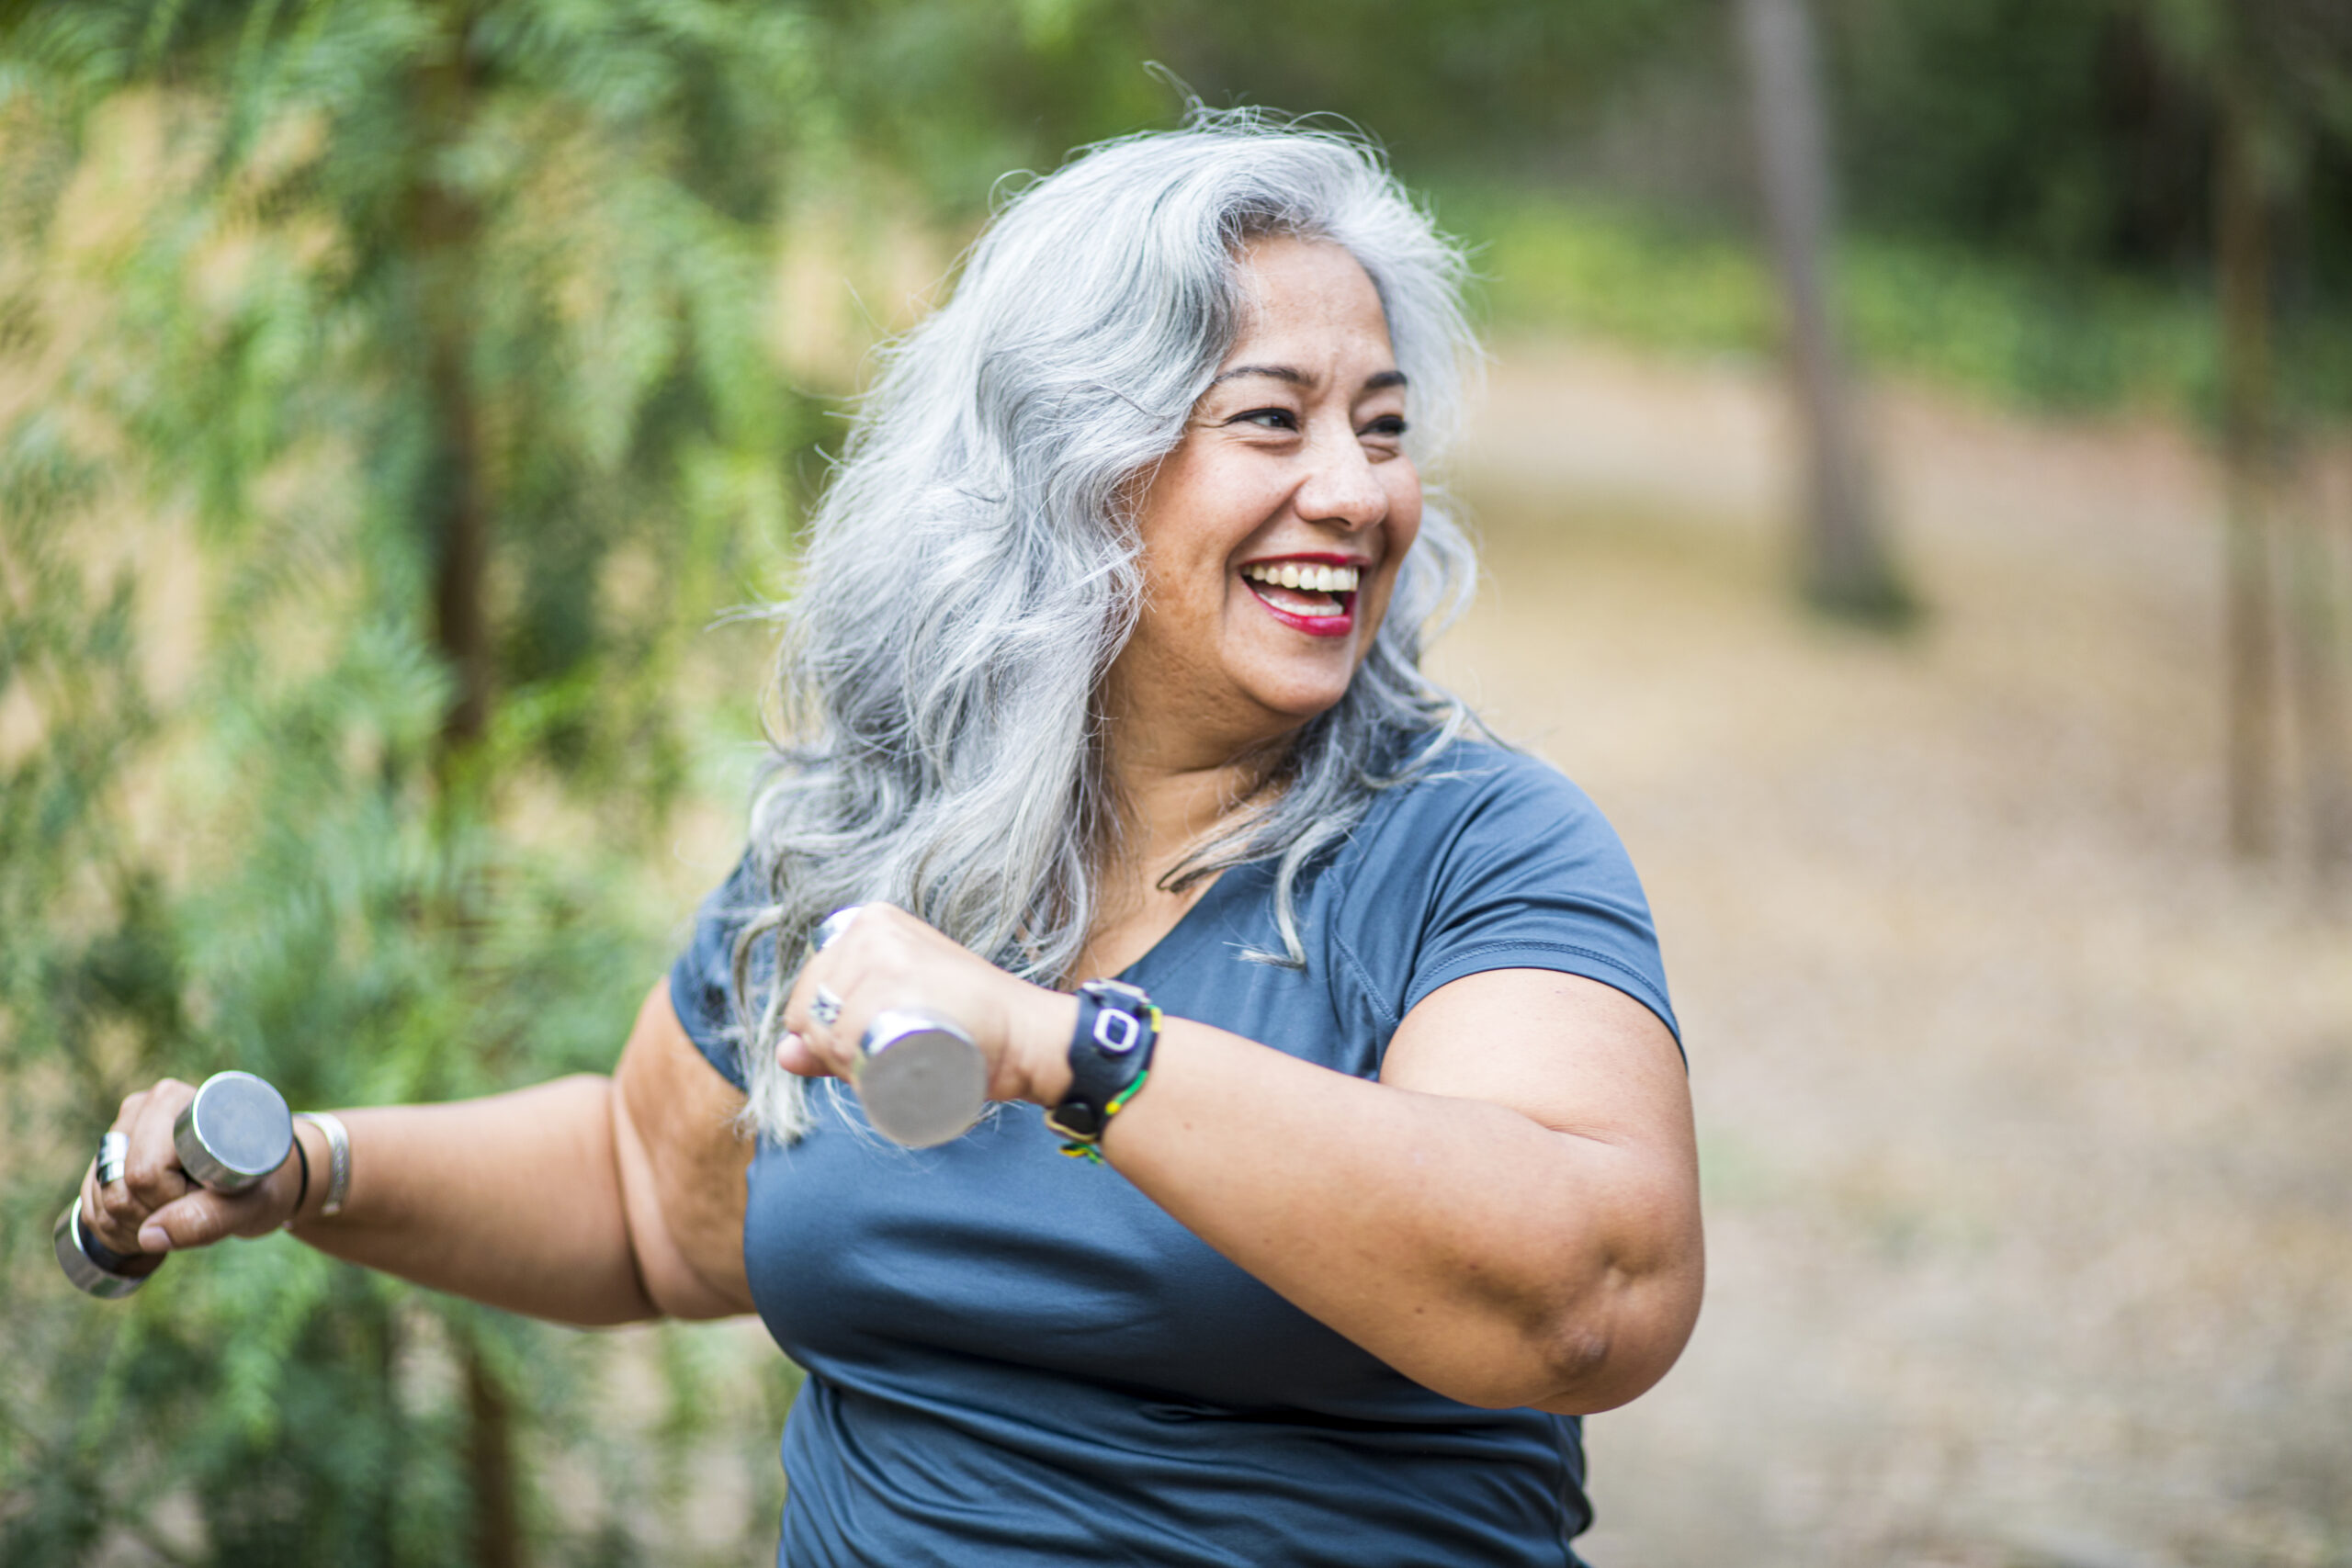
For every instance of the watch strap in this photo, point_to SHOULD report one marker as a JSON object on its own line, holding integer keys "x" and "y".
{"x": 1109, "y": 1055}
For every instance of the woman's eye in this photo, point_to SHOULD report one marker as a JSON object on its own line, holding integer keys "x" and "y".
{"x": 1389, "y": 426}
{"x": 1269, "y": 419}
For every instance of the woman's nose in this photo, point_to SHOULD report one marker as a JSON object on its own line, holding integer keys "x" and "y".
{"x": 1341, "y": 486}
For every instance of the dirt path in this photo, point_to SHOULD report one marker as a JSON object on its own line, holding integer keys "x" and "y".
{"x": 2024, "y": 1110}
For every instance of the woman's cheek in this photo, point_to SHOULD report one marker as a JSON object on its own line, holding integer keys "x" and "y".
{"x": 1404, "y": 507}
{"x": 1403, "y": 528}
{"x": 1370, "y": 616}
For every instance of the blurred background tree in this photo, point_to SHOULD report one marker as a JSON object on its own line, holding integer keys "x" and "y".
{"x": 2275, "y": 80}
{"x": 427, "y": 342}
{"x": 391, "y": 391}
{"x": 1847, "y": 566}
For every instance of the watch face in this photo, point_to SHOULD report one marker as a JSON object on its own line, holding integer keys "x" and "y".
{"x": 1118, "y": 1026}
{"x": 1115, "y": 1034}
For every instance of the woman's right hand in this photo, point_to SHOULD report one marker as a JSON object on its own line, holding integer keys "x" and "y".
{"x": 154, "y": 1208}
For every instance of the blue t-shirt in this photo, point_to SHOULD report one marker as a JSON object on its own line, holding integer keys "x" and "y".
{"x": 1017, "y": 1359}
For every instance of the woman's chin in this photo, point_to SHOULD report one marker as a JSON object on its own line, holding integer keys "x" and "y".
{"x": 1297, "y": 695}
{"x": 1293, "y": 674}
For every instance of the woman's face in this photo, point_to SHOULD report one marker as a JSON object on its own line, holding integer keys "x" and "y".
{"x": 1273, "y": 534}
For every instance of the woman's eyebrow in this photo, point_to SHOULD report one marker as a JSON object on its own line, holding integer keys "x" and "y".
{"x": 1300, "y": 378}
{"x": 1278, "y": 372}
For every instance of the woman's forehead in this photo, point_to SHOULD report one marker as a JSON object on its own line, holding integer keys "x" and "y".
{"x": 1313, "y": 312}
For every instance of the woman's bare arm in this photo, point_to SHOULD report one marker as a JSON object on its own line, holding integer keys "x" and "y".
{"x": 515, "y": 1201}
{"x": 683, "y": 1156}
{"x": 588, "y": 1199}
{"x": 1510, "y": 1217}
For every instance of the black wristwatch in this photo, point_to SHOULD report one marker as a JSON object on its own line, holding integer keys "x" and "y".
{"x": 1109, "y": 1055}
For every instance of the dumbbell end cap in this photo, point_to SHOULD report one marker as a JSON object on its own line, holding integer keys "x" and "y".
{"x": 233, "y": 1134}
{"x": 922, "y": 1079}
{"x": 80, "y": 1254}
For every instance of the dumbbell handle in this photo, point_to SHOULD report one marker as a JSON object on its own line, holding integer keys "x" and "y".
{"x": 230, "y": 1136}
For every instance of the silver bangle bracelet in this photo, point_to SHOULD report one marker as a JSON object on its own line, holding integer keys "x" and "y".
{"x": 338, "y": 1160}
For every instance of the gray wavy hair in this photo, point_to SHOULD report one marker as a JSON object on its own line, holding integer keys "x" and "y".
{"x": 973, "y": 569}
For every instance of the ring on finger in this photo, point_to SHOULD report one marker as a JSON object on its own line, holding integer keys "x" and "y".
{"x": 114, "y": 1151}
{"x": 824, "y": 1007}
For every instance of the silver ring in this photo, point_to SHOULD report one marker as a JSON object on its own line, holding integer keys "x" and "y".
{"x": 113, "y": 1149}
{"x": 830, "y": 928}
{"x": 824, "y": 1007}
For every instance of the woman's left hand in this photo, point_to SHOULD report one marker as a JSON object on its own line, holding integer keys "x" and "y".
{"x": 886, "y": 958}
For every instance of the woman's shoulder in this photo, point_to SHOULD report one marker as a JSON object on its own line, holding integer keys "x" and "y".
{"x": 1487, "y": 857}
{"x": 1483, "y": 789}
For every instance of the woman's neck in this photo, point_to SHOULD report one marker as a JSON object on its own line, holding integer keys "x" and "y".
{"x": 1167, "y": 811}
{"x": 1169, "y": 805}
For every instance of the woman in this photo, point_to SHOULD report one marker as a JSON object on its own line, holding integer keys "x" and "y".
{"x": 1105, "y": 664}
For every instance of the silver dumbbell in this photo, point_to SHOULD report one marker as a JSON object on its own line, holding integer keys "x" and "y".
{"x": 922, "y": 1079}
{"x": 230, "y": 1137}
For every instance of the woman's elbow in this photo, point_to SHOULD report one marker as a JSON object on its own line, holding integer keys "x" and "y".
{"x": 1615, "y": 1345}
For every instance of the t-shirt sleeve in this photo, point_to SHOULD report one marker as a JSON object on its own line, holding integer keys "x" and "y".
{"x": 1531, "y": 876}
{"x": 702, "y": 982}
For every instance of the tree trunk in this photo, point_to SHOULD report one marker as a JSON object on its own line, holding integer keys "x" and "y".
{"x": 460, "y": 620}
{"x": 2316, "y": 650}
{"x": 1846, "y": 566}
{"x": 456, "y": 511}
{"x": 490, "y": 1460}
{"x": 456, "y": 519}
{"x": 2242, "y": 246}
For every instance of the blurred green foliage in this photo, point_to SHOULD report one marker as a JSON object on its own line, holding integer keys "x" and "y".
{"x": 958, "y": 91}
{"x": 294, "y": 293}
{"x": 2034, "y": 181}
{"x": 1995, "y": 326}
{"x": 2026, "y": 182}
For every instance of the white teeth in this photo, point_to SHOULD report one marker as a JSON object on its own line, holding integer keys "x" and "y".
{"x": 1313, "y": 578}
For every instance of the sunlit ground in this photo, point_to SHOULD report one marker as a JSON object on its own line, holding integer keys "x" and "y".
{"x": 2024, "y": 1111}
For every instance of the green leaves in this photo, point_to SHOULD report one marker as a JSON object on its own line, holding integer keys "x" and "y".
{"x": 279, "y": 282}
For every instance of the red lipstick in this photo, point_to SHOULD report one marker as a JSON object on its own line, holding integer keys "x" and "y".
{"x": 1338, "y": 625}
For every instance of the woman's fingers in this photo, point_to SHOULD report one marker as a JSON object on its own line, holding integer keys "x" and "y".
{"x": 888, "y": 959}
{"x": 202, "y": 1218}
{"x": 112, "y": 1214}
{"x": 828, "y": 1008}
{"x": 821, "y": 1039}
{"x": 152, "y": 1169}
{"x": 151, "y": 1173}
{"x": 153, "y": 1207}
{"x": 793, "y": 1054}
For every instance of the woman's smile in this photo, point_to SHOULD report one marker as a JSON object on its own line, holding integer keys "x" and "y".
{"x": 1311, "y": 593}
